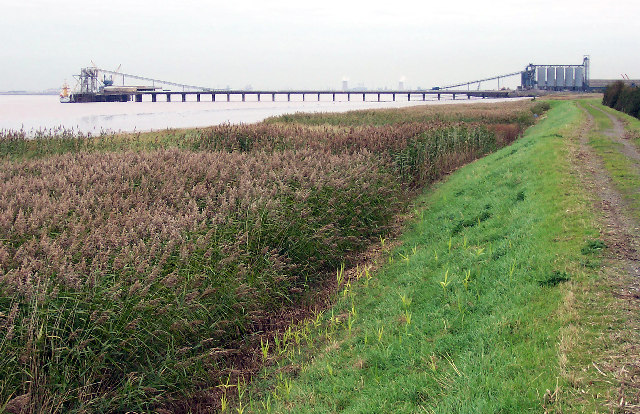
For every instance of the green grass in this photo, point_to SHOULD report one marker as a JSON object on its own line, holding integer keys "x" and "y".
{"x": 469, "y": 315}
{"x": 623, "y": 171}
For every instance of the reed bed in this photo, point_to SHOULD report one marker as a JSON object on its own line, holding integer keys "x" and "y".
{"x": 521, "y": 111}
{"x": 133, "y": 267}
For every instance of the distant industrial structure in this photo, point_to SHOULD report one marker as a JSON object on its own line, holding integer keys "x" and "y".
{"x": 557, "y": 77}
{"x": 551, "y": 78}
{"x": 97, "y": 85}
{"x": 567, "y": 78}
{"x": 94, "y": 86}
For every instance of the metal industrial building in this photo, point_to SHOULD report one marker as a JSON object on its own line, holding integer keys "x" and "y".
{"x": 557, "y": 77}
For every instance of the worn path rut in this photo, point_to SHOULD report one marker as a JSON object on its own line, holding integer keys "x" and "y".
{"x": 622, "y": 229}
{"x": 621, "y": 233}
{"x": 618, "y": 135}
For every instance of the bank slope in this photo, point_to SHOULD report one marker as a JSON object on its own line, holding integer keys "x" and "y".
{"x": 471, "y": 312}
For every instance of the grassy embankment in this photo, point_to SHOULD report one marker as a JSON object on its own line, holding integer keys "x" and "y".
{"x": 135, "y": 269}
{"x": 623, "y": 171}
{"x": 493, "y": 303}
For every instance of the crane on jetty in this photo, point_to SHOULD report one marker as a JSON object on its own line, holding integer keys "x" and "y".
{"x": 94, "y": 86}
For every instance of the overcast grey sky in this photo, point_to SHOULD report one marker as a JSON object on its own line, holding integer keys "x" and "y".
{"x": 297, "y": 44}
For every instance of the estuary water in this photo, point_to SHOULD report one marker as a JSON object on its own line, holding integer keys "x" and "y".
{"x": 42, "y": 112}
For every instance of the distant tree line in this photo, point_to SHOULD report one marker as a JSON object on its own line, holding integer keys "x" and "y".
{"x": 623, "y": 98}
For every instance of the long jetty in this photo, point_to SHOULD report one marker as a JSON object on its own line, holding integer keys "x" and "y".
{"x": 226, "y": 95}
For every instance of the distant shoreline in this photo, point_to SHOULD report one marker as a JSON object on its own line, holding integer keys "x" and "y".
{"x": 29, "y": 93}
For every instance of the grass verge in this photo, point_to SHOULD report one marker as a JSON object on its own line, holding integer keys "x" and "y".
{"x": 483, "y": 308}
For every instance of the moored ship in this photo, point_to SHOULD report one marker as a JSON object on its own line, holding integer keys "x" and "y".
{"x": 65, "y": 97}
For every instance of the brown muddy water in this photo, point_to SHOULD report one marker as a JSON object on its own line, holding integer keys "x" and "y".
{"x": 35, "y": 112}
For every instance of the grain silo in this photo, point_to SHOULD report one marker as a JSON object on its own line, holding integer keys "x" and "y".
{"x": 560, "y": 77}
{"x": 569, "y": 82}
{"x": 542, "y": 79}
{"x": 579, "y": 78}
{"x": 551, "y": 77}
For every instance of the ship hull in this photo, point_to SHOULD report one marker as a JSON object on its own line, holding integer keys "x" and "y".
{"x": 93, "y": 97}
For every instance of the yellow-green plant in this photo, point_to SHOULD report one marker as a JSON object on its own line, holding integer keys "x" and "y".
{"x": 407, "y": 317}
{"x": 347, "y": 289}
{"x": 281, "y": 343}
{"x": 340, "y": 274}
{"x": 467, "y": 279}
{"x": 444, "y": 283}
{"x": 241, "y": 387}
{"x": 226, "y": 385}
{"x": 264, "y": 346}
{"x": 512, "y": 270}
{"x": 284, "y": 385}
{"x": 368, "y": 276}
{"x": 433, "y": 362}
{"x": 317, "y": 318}
{"x": 223, "y": 403}
{"x": 406, "y": 300}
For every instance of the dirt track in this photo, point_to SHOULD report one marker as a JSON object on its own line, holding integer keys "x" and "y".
{"x": 622, "y": 229}
{"x": 618, "y": 135}
{"x": 621, "y": 233}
